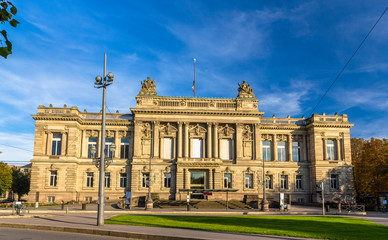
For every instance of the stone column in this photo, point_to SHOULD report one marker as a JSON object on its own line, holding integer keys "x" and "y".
{"x": 209, "y": 141}
{"x": 275, "y": 148}
{"x": 49, "y": 143}
{"x": 215, "y": 141}
{"x": 210, "y": 178}
{"x": 131, "y": 142}
{"x": 64, "y": 144}
{"x": 305, "y": 148}
{"x": 186, "y": 139}
{"x": 137, "y": 138}
{"x": 338, "y": 149}
{"x": 84, "y": 145}
{"x": 117, "y": 141}
{"x": 258, "y": 153}
{"x": 179, "y": 139}
{"x": 290, "y": 147}
{"x": 238, "y": 141}
{"x": 156, "y": 139}
{"x": 324, "y": 149}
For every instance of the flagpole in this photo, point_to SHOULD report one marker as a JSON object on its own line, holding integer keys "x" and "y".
{"x": 194, "y": 77}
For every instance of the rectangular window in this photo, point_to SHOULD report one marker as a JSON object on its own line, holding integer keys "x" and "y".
{"x": 282, "y": 151}
{"x": 167, "y": 180}
{"x": 267, "y": 151}
{"x": 249, "y": 181}
{"x": 50, "y": 199}
{"x": 296, "y": 151}
{"x": 168, "y": 148}
{"x": 284, "y": 182}
{"x": 89, "y": 179}
{"x": 145, "y": 180}
{"x": 107, "y": 180}
{"x": 53, "y": 178}
{"x": 268, "y": 182}
{"x": 227, "y": 180}
{"x": 334, "y": 181}
{"x": 56, "y": 144}
{"x": 108, "y": 145}
{"x": 330, "y": 149}
{"x": 124, "y": 148}
{"x": 91, "y": 142}
{"x": 197, "y": 148}
{"x": 299, "y": 182}
{"x": 123, "y": 180}
{"x": 88, "y": 199}
{"x": 226, "y": 149}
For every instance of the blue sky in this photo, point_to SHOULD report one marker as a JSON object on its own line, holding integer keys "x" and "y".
{"x": 289, "y": 51}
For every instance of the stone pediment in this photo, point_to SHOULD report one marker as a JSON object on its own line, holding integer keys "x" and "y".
{"x": 226, "y": 131}
{"x": 168, "y": 129}
{"x": 197, "y": 130}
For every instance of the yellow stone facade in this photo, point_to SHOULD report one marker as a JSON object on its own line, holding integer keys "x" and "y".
{"x": 191, "y": 143}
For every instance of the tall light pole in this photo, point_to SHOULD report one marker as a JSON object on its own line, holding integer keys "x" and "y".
{"x": 102, "y": 83}
{"x": 264, "y": 202}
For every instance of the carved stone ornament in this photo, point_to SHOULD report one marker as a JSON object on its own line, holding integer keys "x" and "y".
{"x": 226, "y": 131}
{"x": 298, "y": 138}
{"x": 148, "y": 88}
{"x": 281, "y": 138}
{"x": 197, "y": 130}
{"x": 110, "y": 134}
{"x": 245, "y": 90}
{"x": 124, "y": 134}
{"x": 266, "y": 137}
{"x": 147, "y": 131}
{"x": 91, "y": 133}
{"x": 167, "y": 170}
{"x": 246, "y": 132}
{"x": 168, "y": 129}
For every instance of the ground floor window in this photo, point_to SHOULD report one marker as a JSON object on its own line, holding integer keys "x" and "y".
{"x": 284, "y": 182}
{"x": 227, "y": 180}
{"x": 249, "y": 181}
{"x": 334, "y": 181}
{"x": 268, "y": 182}
{"x": 299, "y": 182}
{"x": 123, "y": 180}
{"x": 88, "y": 199}
{"x": 50, "y": 199}
{"x": 89, "y": 179}
{"x": 145, "y": 180}
{"x": 107, "y": 180}
{"x": 167, "y": 180}
{"x": 53, "y": 178}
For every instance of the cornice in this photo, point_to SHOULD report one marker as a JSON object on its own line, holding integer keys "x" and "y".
{"x": 185, "y": 112}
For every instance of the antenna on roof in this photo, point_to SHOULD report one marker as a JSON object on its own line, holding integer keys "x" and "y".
{"x": 193, "y": 87}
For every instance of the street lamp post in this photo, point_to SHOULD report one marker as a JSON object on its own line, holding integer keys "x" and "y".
{"x": 102, "y": 82}
{"x": 264, "y": 202}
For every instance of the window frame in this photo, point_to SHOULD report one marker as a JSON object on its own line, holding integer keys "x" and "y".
{"x": 334, "y": 181}
{"x": 268, "y": 182}
{"x": 107, "y": 179}
{"x": 296, "y": 148}
{"x": 284, "y": 182}
{"x": 123, "y": 180}
{"x": 56, "y": 144}
{"x": 330, "y": 149}
{"x": 53, "y": 178}
{"x": 167, "y": 180}
{"x": 91, "y": 144}
{"x": 266, "y": 149}
{"x": 145, "y": 180}
{"x": 281, "y": 150}
{"x": 124, "y": 148}
{"x": 89, "y": 179}
{"x": 249, "y": 181}
{"x": 228, "y": 180}
{"x": 299, "y": 182}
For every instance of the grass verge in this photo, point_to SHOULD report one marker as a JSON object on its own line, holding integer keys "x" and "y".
{"x": 330, "y": 227}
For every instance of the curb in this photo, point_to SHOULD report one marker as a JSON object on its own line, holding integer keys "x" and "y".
{"x": 94, "y": 232}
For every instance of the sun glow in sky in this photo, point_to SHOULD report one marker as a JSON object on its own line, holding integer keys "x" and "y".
{"x": 289, "y": 51}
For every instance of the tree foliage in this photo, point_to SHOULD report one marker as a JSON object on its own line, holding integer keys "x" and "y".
{"x": 370, "y": 160}
{"x": 5, "y": 178}
{"x": 7, "y": 12}
{"x": 20, "y": 183}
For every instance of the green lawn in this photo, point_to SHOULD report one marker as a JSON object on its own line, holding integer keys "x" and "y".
{"x": 296, "y": 226}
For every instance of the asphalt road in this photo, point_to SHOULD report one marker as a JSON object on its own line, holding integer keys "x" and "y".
{"x": 22, "y": 234}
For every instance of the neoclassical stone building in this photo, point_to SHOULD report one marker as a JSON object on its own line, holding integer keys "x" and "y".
{"x": 191, "y": 143}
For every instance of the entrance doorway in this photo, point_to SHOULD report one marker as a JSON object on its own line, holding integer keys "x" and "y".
{"x": 197, "y": 182}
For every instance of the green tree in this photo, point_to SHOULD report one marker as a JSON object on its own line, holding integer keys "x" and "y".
{"x": 370, "y": 160}
{"x": 20, "y": 183}
{"x": 7, "y": 12}
{"x": 5, "y": 178}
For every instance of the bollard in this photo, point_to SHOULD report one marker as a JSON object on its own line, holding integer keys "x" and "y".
{"x": 188, "y": 206}
{"x": 13, "y": 209}
{"x": 83, "y": 206}
{"x": 67, "y": 209}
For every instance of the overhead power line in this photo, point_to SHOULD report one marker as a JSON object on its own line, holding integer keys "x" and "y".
{"x": 346, "y": 64}
{"x": 16, "y": 147}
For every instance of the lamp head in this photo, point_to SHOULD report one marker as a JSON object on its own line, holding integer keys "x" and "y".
{"x": 98, "y": 80}
{"x": 113, "y": 149}
{"x": 93, "y": 151}
{"x": 110, "y": 77}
